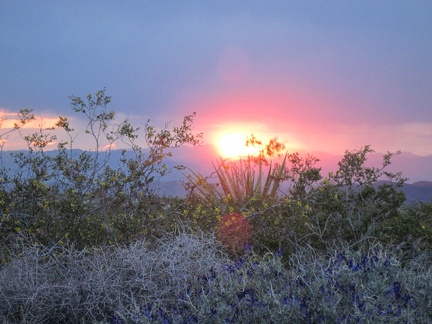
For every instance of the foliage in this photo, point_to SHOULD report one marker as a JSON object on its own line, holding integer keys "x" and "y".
{"x": 239, "y": 181}
{"x": 252, "y": 185}
{"x": 345, "y": 206}
{"x": 256, "y": 177}
{"x": 304, "y": 207}
{"x": 74, "y": 195}
{"x": 267, "y": 239}
{"x": 411, "y": 228}
{"x": 234, "y": 232}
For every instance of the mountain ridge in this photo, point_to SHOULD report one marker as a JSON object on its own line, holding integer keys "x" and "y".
{"x": 420, "y": 192}
{"x": 199, "y": 159}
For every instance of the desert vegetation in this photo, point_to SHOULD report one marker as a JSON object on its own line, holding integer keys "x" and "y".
{"x": 267, "y": 238}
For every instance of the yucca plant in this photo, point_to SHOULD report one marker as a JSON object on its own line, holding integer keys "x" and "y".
{"x": 242, "y": 180}
{"x": 239, "y": 180}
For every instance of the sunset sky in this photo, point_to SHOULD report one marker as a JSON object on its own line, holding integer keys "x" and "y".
{"x": 320, "y": 75}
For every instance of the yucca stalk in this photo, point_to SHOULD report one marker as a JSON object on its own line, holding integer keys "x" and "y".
{"x": 199, "y": 186}
{"x": 277, "y": 177}
{"x": 240, "y": 181}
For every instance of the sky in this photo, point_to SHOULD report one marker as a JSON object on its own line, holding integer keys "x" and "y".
{"x": 322, "y": 76}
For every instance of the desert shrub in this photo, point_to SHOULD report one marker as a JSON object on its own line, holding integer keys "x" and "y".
{"x": 233, "y": 232}
{"x": 186, "y": 277}
{"x": 254, "y": 186}
{"x": 361, "y": 285}
{"x": 293, "y": 204}
{"x": 411, "y": 228}
{"x": 53, "y": 197}
{"x": 62, "y": 284}
{"x": 346, "y": 286}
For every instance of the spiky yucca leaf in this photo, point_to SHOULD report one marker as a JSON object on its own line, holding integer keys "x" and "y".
{"x": 241, "y": 180}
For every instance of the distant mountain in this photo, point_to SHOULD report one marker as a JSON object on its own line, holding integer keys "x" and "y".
{"x": 170, "y": 188}
{"x": 415, "y": 167}
{"x": 418, "y": 191}
{"x": 199, "y": 159}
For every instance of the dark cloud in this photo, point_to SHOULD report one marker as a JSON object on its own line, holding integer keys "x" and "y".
{"x": 346, "y": 62}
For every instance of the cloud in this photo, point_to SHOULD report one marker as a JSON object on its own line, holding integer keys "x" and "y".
{"x": 324, "y": 75}
{"x": 406, "y": 137}
{"x": 9, "y": 119}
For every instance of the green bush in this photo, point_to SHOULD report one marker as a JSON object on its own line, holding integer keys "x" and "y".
{"x": 411, "y": 228}
{"x": 75, "y": 196}
{"x": 304, "y": 207}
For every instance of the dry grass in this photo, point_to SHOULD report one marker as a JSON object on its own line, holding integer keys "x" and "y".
{"x": 62, "y": 284}
{"x": 186, "y": 278}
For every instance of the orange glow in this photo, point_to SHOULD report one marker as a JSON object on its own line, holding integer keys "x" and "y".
{"x": 300, "y": 118}
{"x": 232, "y": 145}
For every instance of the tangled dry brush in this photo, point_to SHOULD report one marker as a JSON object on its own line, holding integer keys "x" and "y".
{"x": 186, "y": 278}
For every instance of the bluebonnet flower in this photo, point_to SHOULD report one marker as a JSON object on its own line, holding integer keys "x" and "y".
{"x": 279, "y": 252}
{"x": 247, "y": 248}
{"x": 396, "y": 289}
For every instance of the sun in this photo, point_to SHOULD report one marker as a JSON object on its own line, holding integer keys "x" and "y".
{"x": 233, "y": 146}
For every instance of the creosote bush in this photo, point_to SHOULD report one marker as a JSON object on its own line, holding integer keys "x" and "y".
{"x": 76, "y": 196}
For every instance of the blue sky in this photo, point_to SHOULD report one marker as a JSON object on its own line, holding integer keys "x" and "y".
{"x": 321, "y": 75}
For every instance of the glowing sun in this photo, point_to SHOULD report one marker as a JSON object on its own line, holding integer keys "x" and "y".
{"x": 233, "y": 146}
